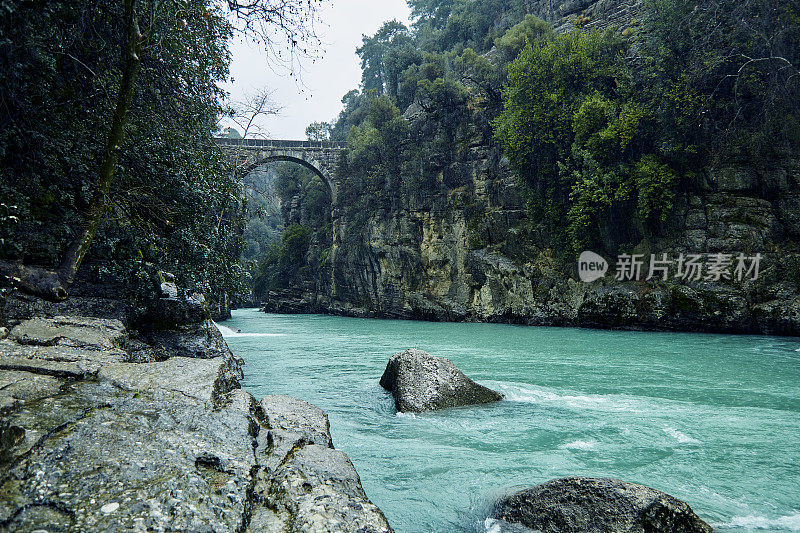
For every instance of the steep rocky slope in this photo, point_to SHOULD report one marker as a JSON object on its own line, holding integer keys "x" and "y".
{"x": 434, "y": 261}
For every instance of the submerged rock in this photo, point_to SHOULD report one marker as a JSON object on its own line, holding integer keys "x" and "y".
{"x": 421, "y": 382}
{"x": 600, "y": 505}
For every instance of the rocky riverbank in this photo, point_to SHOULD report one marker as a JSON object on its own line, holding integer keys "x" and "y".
{"x": 106, "y": 428}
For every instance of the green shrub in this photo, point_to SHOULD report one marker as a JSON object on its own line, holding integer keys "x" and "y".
{"x": 284, "y": 261}
{"x": 582, "y": 139}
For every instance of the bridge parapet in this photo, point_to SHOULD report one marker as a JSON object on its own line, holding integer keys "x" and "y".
{"x": 279, "y": 144}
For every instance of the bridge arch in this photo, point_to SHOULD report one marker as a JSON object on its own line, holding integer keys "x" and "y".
{"x": 313, "y": 166}
{"x": 321, "y": 157}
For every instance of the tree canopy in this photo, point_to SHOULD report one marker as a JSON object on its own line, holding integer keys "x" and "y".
{"x": 71, "y": 74}
{"x": 601, "y": 128}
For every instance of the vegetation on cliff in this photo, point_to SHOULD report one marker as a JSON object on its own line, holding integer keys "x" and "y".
{"x": 579, "y": 137}
{"x": 602, "y": 127}
{"x": 283, "y": 261}
{"x": 601, "y": 132}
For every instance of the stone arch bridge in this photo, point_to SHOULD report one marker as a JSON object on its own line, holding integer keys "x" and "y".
{"x": 319, "y": 156}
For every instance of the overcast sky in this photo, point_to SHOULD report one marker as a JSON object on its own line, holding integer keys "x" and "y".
{"x": 317, "y": 97}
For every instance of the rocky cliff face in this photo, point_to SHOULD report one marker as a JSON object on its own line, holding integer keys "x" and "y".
{"x": 469, "y": 252}
{"x": 463, "y": 247}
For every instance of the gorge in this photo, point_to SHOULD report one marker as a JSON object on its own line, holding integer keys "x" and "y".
{"x": 514, "y": 187}
{"x": 453, "y": 235}
{"x": 706, "y": 418}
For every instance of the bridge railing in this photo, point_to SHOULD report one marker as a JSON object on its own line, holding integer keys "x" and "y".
{"x": 273, "y": 143}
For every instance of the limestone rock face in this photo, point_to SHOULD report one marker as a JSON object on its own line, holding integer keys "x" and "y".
{"x": 64, "y": 346}
{"x": 598, "y": 505}
{"x": 290, "y": 415}
{"x": 92, "y": 441}
{"x": 421, "y": 382}
{"x": 106, "y": 429}
{"x": 305, "y": 484}
{"x": 460, "y": 246}
{"x": 466, "y": 251}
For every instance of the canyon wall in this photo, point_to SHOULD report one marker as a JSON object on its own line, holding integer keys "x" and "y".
{"x": 462, "y": 247}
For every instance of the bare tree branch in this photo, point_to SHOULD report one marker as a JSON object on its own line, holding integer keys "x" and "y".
{"x": 248, "y": 113}
{"x": 279, "y": 25}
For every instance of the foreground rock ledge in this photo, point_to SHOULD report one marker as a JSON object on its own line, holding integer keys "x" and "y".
{"x": 598, "y": 505}
{"x": 304, "y": 485}
{"x": 421, "y": 382}
{"x": 103, "y": 430}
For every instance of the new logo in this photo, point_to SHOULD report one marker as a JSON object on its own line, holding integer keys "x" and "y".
{"x": 591, "y": 267}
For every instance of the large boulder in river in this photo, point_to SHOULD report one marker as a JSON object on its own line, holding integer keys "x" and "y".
{"x": 598, "y": 505}
{"x": 421, "y": 382}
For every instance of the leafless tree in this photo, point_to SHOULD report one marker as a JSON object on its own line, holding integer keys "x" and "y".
{"x": 286, "y": 28}
{"x": 249, "y": 113}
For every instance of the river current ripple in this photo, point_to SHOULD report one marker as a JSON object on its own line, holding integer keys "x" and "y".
{"x": 711, "y": 419}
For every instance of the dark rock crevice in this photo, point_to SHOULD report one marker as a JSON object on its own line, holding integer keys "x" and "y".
{"x": 57, "y": 507}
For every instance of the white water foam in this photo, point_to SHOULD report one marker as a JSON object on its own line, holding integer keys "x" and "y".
{"x": 400, "y": 414}
{"x": 228, "y": 332}
{"x": 584, "y": 445}
{"x": 492, "y": 526}
{"x": 784, "y": 523}
{"x": 527, "y": 394}
{"x": 681, "y": 437}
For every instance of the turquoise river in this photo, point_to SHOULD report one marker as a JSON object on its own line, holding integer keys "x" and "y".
{"x": 711, "y": 419}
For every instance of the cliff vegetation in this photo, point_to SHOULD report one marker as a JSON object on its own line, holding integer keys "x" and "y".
{"x": 493, "y": 140}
